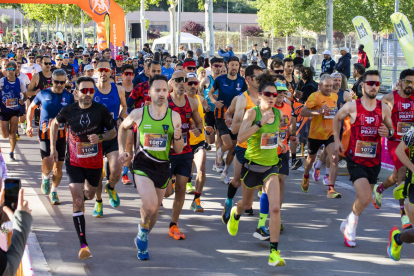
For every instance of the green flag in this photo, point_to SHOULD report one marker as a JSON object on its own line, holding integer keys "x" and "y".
{"x": 364, "y": 32}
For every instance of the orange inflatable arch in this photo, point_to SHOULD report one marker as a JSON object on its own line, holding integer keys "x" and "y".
{"x": 98, "y": 10}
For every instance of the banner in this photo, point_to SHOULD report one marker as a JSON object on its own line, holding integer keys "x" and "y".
{"x": 59, "y": 36}
{"x": 364, "y": 32}
{"x": 404, "y": 33}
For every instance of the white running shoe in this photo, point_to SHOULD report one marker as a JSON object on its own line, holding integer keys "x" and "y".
{"x": 348, "y": 228}
{"x": 342, "y": 164}
{"x": 325, "y": 180}
{"x": 218, "y": 169}
{"x": 225, "y": 178}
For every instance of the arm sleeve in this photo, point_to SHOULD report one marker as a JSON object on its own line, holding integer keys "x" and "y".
{"x": 107, "y": 119}
{"x": 61, "y": 117}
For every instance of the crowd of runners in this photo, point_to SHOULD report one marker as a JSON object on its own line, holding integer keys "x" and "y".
{"x": 156, "y": 116}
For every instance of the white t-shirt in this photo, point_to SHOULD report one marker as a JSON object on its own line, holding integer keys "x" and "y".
{"x": 24, "y": 78}
{"x": 27, "y": 69}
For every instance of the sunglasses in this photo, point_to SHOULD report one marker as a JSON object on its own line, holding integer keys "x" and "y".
{"x": 31, "y": 57}
{"x": 218, "y": 65}
{"x": 191, "y": 68}
{"x": 54, "y": 54}
{"x": 191, "y": 83}
{"x": 94, "y": 61}
{"x": 47, "y": 63}
{"x": 408, "y": 82}
{"x": 87, "y": 90}
{"x": 373, "y": 83}
{"x": 106, "y": 70}
{"x": 128, "y": 73}
{"x": 85, "y": 55}
{"x": 59, "y": 82}
{"x": 180, "y": 79}
{"x": 268, "y": 94}
{"x": 58, "y": 59}
{"x": 168, "y": 61}
{"x": 11, "y": 69}
{"x": 279, "y": 71}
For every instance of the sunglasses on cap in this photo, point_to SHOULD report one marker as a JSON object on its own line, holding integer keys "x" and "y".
{"x": 268, "y": 94}
{"x": 106, "y": 70}
{"x": 47, "y": 63}
{"x": 180, "y": 79}
{"x": 128, "y": 73}
{"x": 407, "y": 82}
{"x": 373, "y": 83}
{"x": 11, "y": 69}
{"x": 87, "y": 90}
{"x": 191, "y": 83}
{"x": 279, "y": 71}
{"x": 191, "y": 68}
{"x": 59, "y": 82}
{"x": 218, "y": 65}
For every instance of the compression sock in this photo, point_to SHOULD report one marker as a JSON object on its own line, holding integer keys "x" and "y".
{"x": 196, "y": 195}
{"x": 293, "y": 156}
{"x": 79, "y": 222}
{"x": 264, "y": 210}
{"x": 231, "y": 191}
{"x": 318, "y": 164}
{"x": 273, "y": 245}
{"x": 124, "y": 170}
{"x": 380, "y": 188}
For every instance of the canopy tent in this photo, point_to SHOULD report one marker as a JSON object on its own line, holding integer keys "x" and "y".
{"x": 185, "y": 38}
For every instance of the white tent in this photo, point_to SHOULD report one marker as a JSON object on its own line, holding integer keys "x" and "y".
{"x": 185, "y": 38}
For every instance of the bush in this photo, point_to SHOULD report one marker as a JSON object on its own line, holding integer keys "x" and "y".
{"x": 153, "y": 35}
{"x": 192, "y": 28}
{"x": 252, "y": 31}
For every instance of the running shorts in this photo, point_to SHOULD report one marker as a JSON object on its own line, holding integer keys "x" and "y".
{"x": 223, "y": 129}
{"x": 284, "y": 163}
{"x": 157, "y": 171}
{"x": 408, "y": 191}
{"x": 315, "y": 144}
{"x": 392, "y": 146}
{"x": 181, "y": 164}
{"x": 6, "y": 116}
{"x": 79, "y": 175}
{"x": 357, "y": 171}
{"x": 110, "y": 146}
{"x": 209, "y": 119}
{"x": 253, "y": 179}
{"x": 60, "y": 148}
{"x": 199, "y": 146}
{"x": 239, "y": 152}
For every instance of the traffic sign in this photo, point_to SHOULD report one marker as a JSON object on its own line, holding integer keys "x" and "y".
{"x": 14, "y": 33}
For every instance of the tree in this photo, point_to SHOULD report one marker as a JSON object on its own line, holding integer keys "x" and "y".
{"x": 338, "y": 37}
{"x": 192, "y": 28}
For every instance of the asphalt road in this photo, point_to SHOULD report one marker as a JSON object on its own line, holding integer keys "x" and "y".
{"x": 311, "y": 243}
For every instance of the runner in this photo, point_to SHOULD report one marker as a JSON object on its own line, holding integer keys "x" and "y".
{"x": 157, "y": 125}
{"x": 181, "y": 164}
{"x": 51, "y": 100}
{"x": 113, "y": 97}
{"x": 228, "y": 87}
{"x": 31, "y": 67}
{"x": 370, "y": 120}
{"x": 86, "y": 121}
{"x": 244, "y": 102}
{"x": 260, "y": 129}
{"x": 321, "y": 106}
{"x": 70, "y": 71}
{"x": 12, "y": 89}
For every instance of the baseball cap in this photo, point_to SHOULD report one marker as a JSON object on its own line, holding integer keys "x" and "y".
{"x": 191, "y": 75}
{"x": 119, "y": 57}
{"x": 55, "y": 51}
{"x": 66, "y": 55}
{"x": 71, "y": 54}
{"x": 230, "y": 45}
{"x": 85, "y": 53}
{"x": 59, "y": 56}
{"x": 291, "y": 47}
{"x": 233, "y": 58}
{"x": 280, "y": 48}
{"x": 89, "y": 67}
{"x": 243, "y": 57}
{"x": 31, "y": 54}
{"x": 281, "y": 86}
{"x": 327, "y": 52}
{"x": 344, "y": 49}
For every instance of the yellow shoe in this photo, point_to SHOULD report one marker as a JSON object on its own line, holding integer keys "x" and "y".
{"x": 84, "y": 253}
{"x": 275, "y": 259}
{"x": 398, "y": 191}
{"x": 305, "y": 185}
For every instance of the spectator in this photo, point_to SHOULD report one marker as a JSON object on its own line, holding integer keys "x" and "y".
{"x": 190, "y": 54}
{"x": 302, "y": 48}
{"x": 252, "y": 54}
{"x": 243, "y": 60}
{"x": 344, "y": 63}
{"x": 228, "y": 54}
{"x": 362, "y": 56}
{"x": 328, "y": 64}
{"x": 201, "y": 73}
{"x": 306, "y": 60}
{"x": 310, "y": 86}
{"x": 298, "y": 60}
{"x": 279, "y": 54}
{"x": 199, "y": 53}
{"x": 265, "y": 53}
{"x": 291, "y": 52}
{"x": 357, "y": 73}
{"x": 313, "y": 58}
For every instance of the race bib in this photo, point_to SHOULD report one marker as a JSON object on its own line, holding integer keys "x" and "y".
{"x": 330, "y": 114}
{"x": 366, "y": 149}
{"x": 11, "y": 103}
{"x": 86, "y": 149}
{"x": 61, "y": 126}
{"x": 404, "y": 127}
{"x": 269, "y": 140}
{"x": 155, "y": 142}
{"x": 282, "y": 134}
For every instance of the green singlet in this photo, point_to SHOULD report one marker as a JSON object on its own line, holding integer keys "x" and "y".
{"x": 262, "y": 146}
{"x": 155, "y": 135}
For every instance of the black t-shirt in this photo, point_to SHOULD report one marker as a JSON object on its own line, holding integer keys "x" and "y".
{"x": 357, "y": 88}
{"x": 309, "y": 88}
{"x": 297, "y": 60}
{"x": 83, "y": 122}
{"x": 70, "y": 71}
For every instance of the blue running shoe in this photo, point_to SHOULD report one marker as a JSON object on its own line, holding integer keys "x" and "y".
{"x": 141, "y": 242}
{"x": 113, "y": 197}
{"x": 143, "y": 255}
{"x": 225, "y": 216}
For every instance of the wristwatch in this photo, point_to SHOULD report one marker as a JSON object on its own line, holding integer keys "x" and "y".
{"x": 100, "y": 138}
{"x": 178, "y": 138}
{"x": 390, "y": 133}
{"x": 259, "y": 124}
{"x": 201, "y": 131}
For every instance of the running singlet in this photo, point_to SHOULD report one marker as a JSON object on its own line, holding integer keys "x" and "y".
{"x": 185, "y": 114}
{"x": 365, "y": 142}
{"x": 195, "y": 140}
{"x": 140, "y": 94}
{"x": 44, "y": 82}
{"x": 10, "y": 96}
{"x": 111, "y": 100}
{"x": 51, "y": 104}
{"x": 127, "y": 94}
{"x": 249, "y": 104}
{"x": 206, "y": 90}
{"x": 155, "y": 135}
{"x": 81, "y": 123}
{"x": 262, "y": 145}
{"x": 402, "y": 115}
{"x": 227, "y": 90}
{"x": 321, "y": 125}
{"x": 70, "y": 71}
{"x": 283, "y": 131}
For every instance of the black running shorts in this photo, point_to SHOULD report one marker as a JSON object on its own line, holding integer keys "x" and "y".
{"x": 357, "y": 171}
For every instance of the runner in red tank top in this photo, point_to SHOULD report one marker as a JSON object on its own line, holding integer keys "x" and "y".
{"x": 402, "y": 104}
{"x": 181, "y": 164}
{"x": 370, "y": 120}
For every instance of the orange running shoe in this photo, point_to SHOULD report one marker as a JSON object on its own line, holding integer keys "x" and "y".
{"x": 126, "y": 180}
{"x": 175, "y": 233}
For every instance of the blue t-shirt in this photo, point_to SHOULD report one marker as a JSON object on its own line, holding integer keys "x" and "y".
{"x": 226, "y": 90}
{"x": 167, "y": 72}
{"x": 141, "y": 77}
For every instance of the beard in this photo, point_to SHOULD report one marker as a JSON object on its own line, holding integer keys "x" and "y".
{"x": 408, "y": 91}
{"x": 233, "y": 72}
{"x": 370, "y": 96}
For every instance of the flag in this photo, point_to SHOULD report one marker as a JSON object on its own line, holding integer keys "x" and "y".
{"x": 404, "y": 33}
{"x": 364, "y": 32}
{"x": 26, "y": 34}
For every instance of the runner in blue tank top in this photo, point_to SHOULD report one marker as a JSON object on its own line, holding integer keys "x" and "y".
{"x": 113, "y": 97}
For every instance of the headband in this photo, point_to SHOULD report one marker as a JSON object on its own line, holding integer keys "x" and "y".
{"x": 189, "y": 63}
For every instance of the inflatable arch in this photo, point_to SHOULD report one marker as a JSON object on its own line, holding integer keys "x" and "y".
{"x": 108, "y": 15}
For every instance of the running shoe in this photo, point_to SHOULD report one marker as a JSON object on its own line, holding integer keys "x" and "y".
{"x": 406, "y": 223}
{"x": 176, "y": 233}
{"x": 218, "y": 168}
{"x": 23, "y": 126}
{"x": 333, "y": 194}
{"x": 342, "y": 164}
{"x": 249, "y": 212}
{"x": 208, "y": 148}
{"x": 296, "y": 164}
{"x": 225, "y": 178}
{"x": 225, "y": 216}
{"x": 98, "y": 210}
{"x": 275, "y": 259}
{"x": 305, "y": 185}
{"x": 11, "y": 157}
{"x": 262, "y": 234}
{"x": 126, "y": 180}
{"x": 316, "y": 172}
{"x": 84, "y": 252}
{"x": 196, "y": 206}
{"x": 325, "y": 180}
{"x": 233, "y": 224}
{"x": 394, "y": 249}
{"x": 377, "y": 198}
{"x": 113, "y": 197}
{"x": 54, "y": 199}
{"x": 259, "y": 194}
{"x": 17, "y": 136}
{"x": 189, "y": 188}
{"x": 398, "y": 191}
{"x": 45, "y": 186}
{"x": 349, "y": 232}
{"x": 141, "y": 243}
